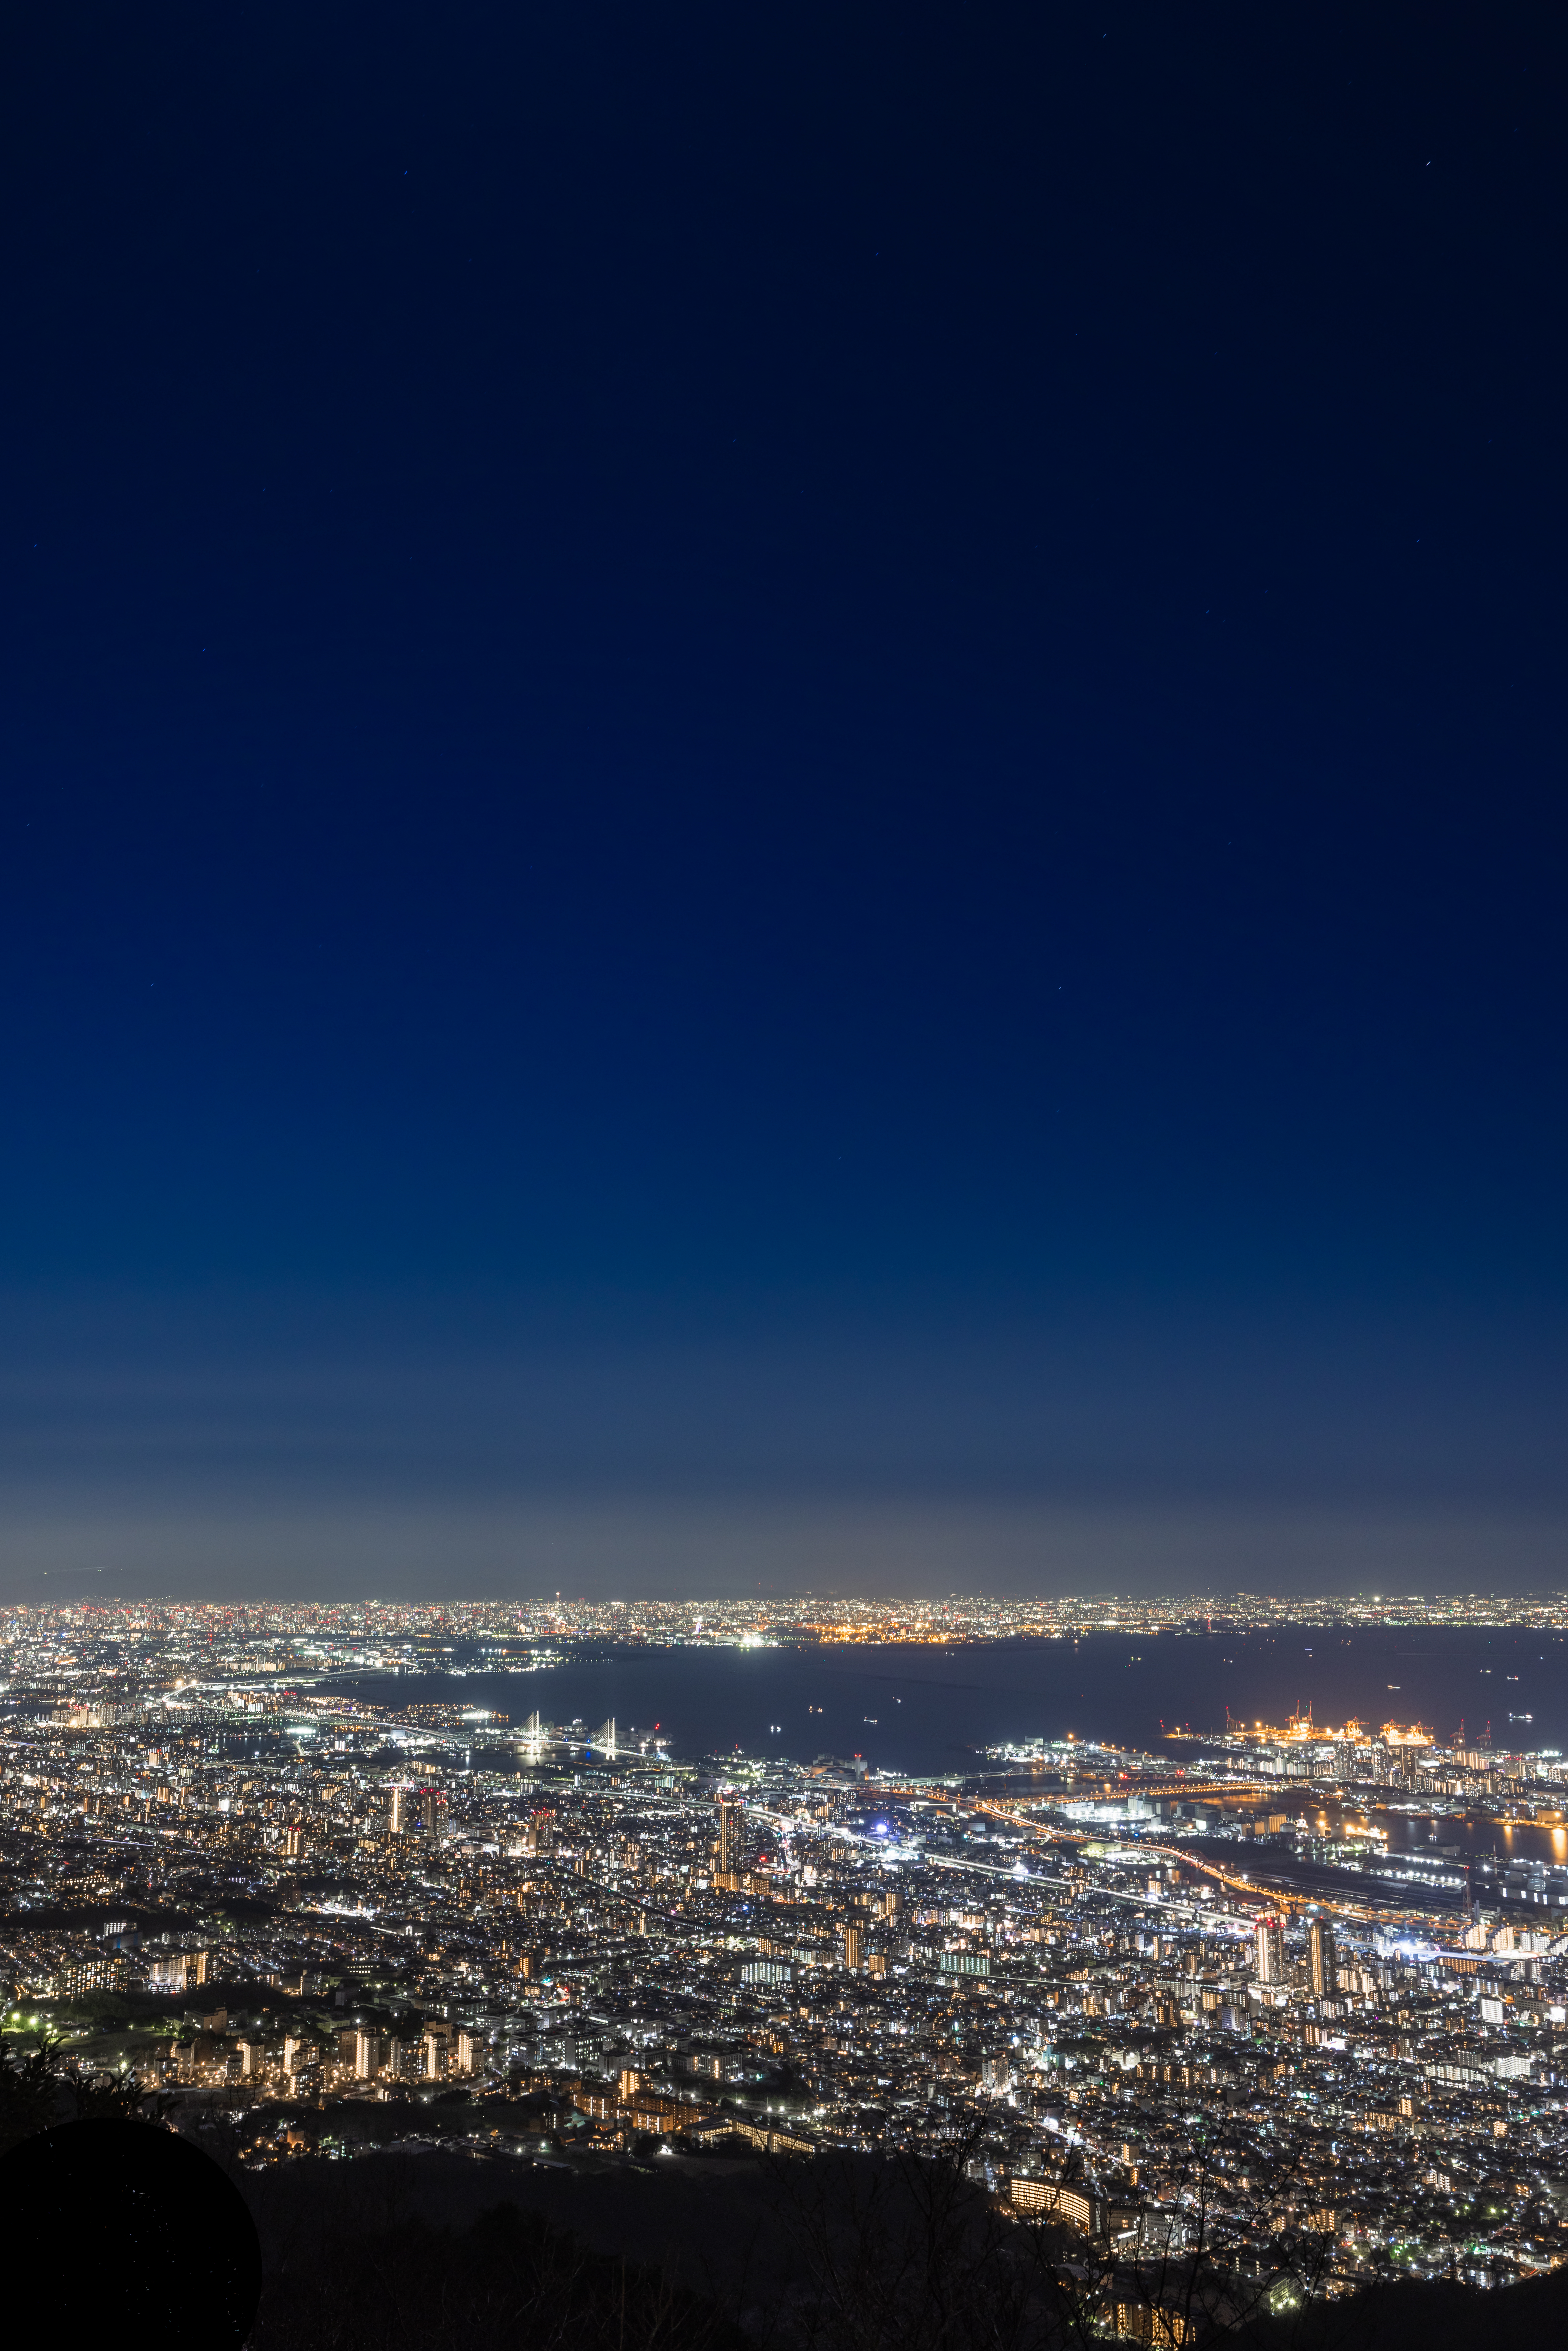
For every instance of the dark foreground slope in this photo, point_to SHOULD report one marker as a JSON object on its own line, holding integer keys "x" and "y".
{"x": 840, "y": 2254}
{"x": 508, "y": 2279}
{"x": 430, "y": 2250}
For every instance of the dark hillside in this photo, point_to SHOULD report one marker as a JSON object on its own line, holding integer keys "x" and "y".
{"x": 431, "y": 2249}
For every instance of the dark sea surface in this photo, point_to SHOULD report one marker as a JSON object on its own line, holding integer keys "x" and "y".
{"x": 930, "y": 1709}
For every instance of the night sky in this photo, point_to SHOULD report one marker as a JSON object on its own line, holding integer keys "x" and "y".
{"x": 782, "y": 798}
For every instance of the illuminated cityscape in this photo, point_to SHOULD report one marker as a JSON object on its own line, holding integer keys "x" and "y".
{"x": 346, "y": 1923}
{"x": 783, "y": 1305}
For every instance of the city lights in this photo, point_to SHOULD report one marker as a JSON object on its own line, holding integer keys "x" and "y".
{"x": 1336, "y": 1953}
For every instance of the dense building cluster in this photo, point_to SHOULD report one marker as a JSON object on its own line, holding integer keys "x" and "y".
{"x": 1206, "y": 2005}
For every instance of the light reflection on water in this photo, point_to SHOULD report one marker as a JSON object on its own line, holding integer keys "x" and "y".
{"x": 928, "y": 1708}
{"x": 1474, "y": 1834}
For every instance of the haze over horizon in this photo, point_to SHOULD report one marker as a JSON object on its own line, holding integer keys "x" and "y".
{"x": 783, "y": 802}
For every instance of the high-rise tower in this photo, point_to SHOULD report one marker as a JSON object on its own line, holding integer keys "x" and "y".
{"x": 1270, "y": 1950}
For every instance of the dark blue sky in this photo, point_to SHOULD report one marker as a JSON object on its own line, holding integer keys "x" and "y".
{"x": 787, "y": 761}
